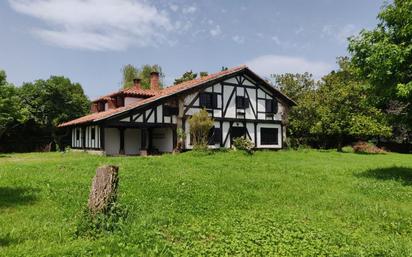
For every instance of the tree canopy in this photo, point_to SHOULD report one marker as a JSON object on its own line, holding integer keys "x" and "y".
{"x": 383, "y": 57}
{"x": 130, "y": 72}
{"x": 189, "y": 75}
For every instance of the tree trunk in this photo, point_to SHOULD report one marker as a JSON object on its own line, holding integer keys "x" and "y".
{"x": 104, "y": 189}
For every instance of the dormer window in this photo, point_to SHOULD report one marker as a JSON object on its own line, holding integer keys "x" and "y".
{"x": 100, "y": 106}
{"x": 208, "y": 100}
{"x": 271, "y": 106}
{"x": 119, "y": 101}
{"x": 242, "y": 102}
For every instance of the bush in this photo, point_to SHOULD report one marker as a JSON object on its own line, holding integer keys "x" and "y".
{"x": 243, "y": 143}
{"x": 365, "y": 147}
{"x": 200, "y": 125}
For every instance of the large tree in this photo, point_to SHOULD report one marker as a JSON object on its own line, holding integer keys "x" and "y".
{"x": 11, "y": 111}
{"x": 302, "y": 89}
{"x": 383, "y": 56}
{"x": 344, "y": 108}
{"x": 130, "y": 72}
{"x": 53, "y": 101}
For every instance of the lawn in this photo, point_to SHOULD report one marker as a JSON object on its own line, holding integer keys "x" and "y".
{"x": 226, "y": 203}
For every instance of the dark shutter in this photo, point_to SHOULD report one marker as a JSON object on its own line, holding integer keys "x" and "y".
{"x": 100, "y": 106}
{"x": 169, "y": 110}
{"x": 269, "y": 136}
{"x": 208, "y": 100}
{"x": 239, "y": 102}
{"x": 215, "y": 136}
{"x": 268, "y": 106}
{"x": 275, "y": 106}
{"x": 247, "y": 103}
{"x": 214, "y": 96}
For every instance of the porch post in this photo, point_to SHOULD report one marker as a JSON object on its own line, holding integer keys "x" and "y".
{"x": 121, "y": 130}
{"x": 101, "y": 138}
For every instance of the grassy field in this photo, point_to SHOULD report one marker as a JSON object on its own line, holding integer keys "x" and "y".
{"x": 272, "y": 203}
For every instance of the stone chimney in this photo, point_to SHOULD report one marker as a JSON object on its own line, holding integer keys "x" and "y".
{"x": 154, "y": 80}
{"x": 136, "y": 83}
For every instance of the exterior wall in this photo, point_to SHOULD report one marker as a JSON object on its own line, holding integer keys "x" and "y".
{"x": 129, "y": 100}
{"x": 132, "y": 141}
{"x": 163, "y": 139}
{"x": 227, "y": 115}
{"x": 77, "y": 135}
{"x": 112, "y": 141}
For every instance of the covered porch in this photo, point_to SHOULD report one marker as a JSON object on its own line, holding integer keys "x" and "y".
{"x": 139, "y": 139}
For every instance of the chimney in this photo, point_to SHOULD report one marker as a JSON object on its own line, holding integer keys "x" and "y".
{"x": 136, "y": 83}
{"x": 154, "y": 80}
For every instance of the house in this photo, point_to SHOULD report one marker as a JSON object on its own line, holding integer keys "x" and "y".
{"x": 137, "y": 121}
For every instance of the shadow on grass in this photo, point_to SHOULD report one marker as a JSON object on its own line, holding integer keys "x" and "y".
{"x": 401, "y": 174}
{"x": 13, "y": 196}
{"x": 4, "y": 156}
{"x": 7, "y": 240}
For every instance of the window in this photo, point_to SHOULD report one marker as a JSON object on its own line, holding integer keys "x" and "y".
{"x": 77, "y": 132}
{"x": 242, "y": 102}
{"x": 215, "y": 136}
{"x": 236, "y": 132}
{"x": 169, "y": 110}
{"x": 120, "y": 101}
{"x": 208, "y": 100}
{"x": 93, "y": 133}
{"x": 271, "y": 106}
{"x": 269, "y": 136}
{"x": 100, "y": 106}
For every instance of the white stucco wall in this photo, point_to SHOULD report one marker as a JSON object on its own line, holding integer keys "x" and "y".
{"x": 112, "y": 141}
{"x": 132, "y": 141}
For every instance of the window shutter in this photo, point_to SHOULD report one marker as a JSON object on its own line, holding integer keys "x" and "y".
{"x": 202, "y": 99}
{"x": 214, "y": 101}
{"x": 275, "y": 106}
{"x": 268, "y": 106}
{"x": 218, "y": 136}
{"x": 239, "y": 102}
{"x": 247, "y": 103}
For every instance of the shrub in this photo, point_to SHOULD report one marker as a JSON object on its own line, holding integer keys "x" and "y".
{"x": 365, "y": 147}
{"x": 200, "y": 124}
{"x": 243, "y": 143}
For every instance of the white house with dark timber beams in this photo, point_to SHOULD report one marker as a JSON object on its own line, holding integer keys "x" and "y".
{"x": 138, "y": 121}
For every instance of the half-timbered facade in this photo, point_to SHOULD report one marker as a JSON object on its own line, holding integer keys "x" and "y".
{"x": 140, "y": 121}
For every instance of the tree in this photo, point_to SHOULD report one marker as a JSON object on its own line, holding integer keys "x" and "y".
{"x": 11, "y": 111}
{"x": 130, "y": 72}
{"x": 188, "y": 75}
{"x": 344, "y": 108}
{"x": 383, "y": 57}
{"x": 302, "y": 89}
{"x": 53, "y": 101}
{"x": 200, "y": 124}
{"x": 294, "y": 86}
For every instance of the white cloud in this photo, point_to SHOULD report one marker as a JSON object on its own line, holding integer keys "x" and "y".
{"x": 340, "y": 34}
{"x": 216, "y": 31}
{"x": 189, "y": 9}
{"x": 238, "y": 39}
{"x": 174, "y": 7}
{"x": 276, "y": 40}
{"x": 277, "y": 64}
{"x": 97, "y": 24}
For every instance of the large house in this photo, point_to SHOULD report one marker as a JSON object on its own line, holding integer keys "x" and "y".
{"x": 137, "y": 121}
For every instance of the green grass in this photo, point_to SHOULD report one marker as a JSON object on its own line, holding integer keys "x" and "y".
{"x": 272, "y": 203}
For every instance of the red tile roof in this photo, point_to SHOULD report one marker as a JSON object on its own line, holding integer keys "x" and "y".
{"x": 168, "y": 91}
{"x": 131, "y": 91}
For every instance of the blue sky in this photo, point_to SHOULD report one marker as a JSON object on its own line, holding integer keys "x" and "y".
{"x": 90, "y": 40}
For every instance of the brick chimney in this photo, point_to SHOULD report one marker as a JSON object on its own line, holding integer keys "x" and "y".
{"x": 93, "y": 108}
{"x": 136, "y": 83}
{"x": 154, "y": 80}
